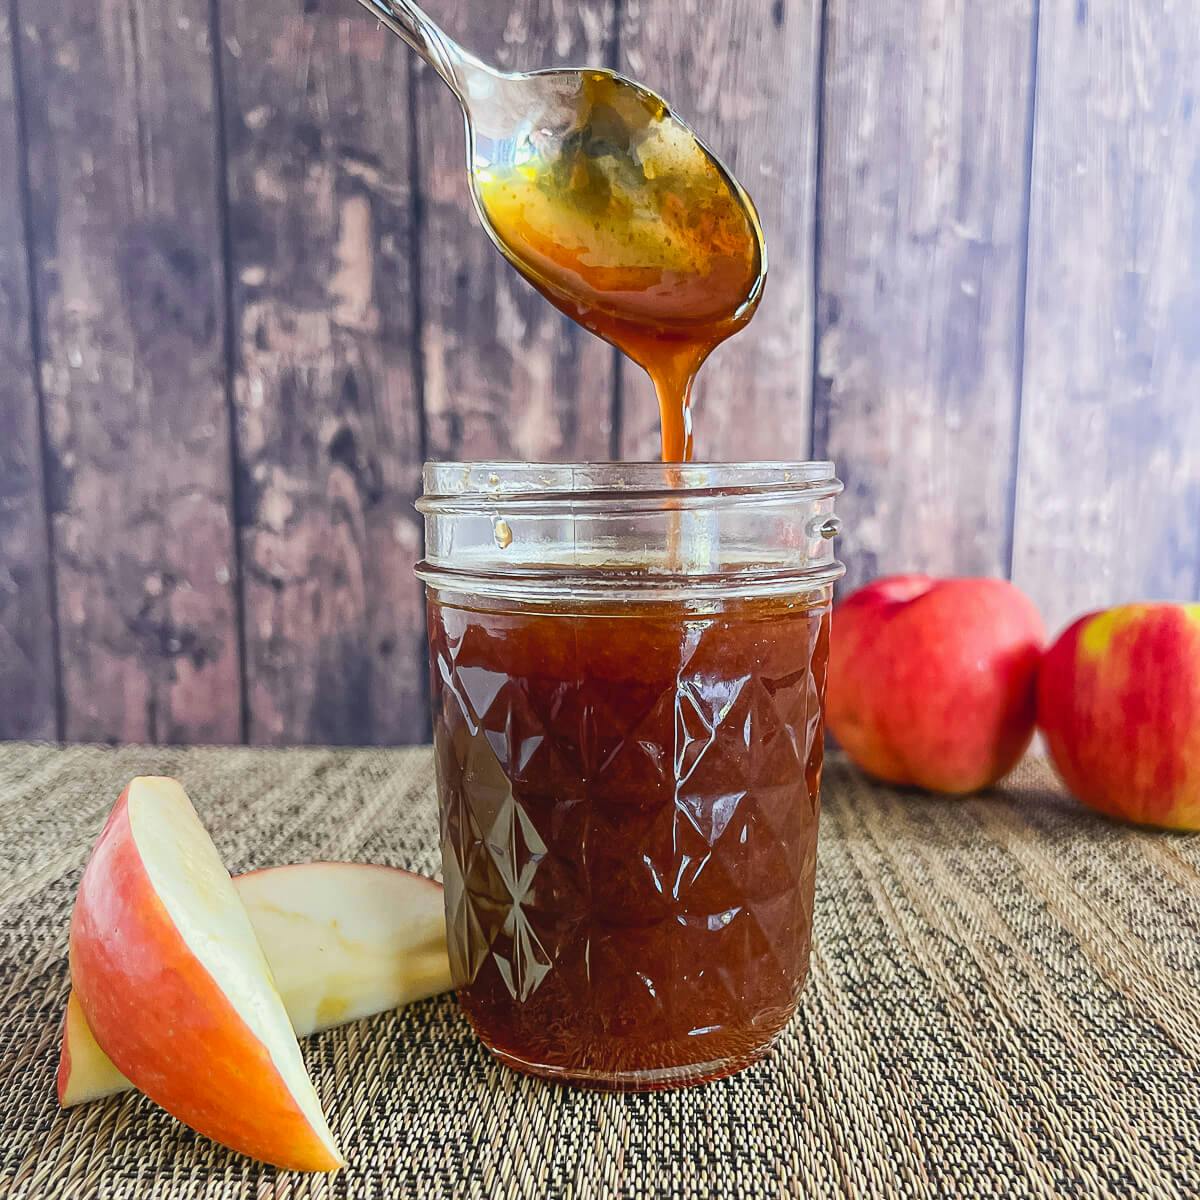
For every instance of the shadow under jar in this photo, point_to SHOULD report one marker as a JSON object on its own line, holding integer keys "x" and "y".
{"x": 628, "y": 684}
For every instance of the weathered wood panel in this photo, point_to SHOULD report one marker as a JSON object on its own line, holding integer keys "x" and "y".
{"x": 359, "y": 274}
{"x": 27, "y": 675}
{"x": 743, "y": 73}
{"x": 126, "y": 250}
{"x": 328, "y": 416}
{"x": 1109, "y": 496}
{"x": 923, "y": 196}
{"x": 506, "y": 375}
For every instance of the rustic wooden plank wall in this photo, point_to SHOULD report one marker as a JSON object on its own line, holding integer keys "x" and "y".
{"x": 28, "y": 682}
{"x": 242, "y": 295}
{"x": 325, "y": 382}
{"x": 1109, "y": 472}
{"x": 124, "y": 236}
{"x": 923, "y": 196}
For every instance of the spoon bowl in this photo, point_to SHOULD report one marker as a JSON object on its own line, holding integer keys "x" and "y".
{"x": 598, "y": 193}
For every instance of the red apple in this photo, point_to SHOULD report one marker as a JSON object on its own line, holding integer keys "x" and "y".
{"x": 932, "y": 682}
{"x": 343, "y": 941}
{"x": 173, "y": 983}
{"x": 1119, "y": 704}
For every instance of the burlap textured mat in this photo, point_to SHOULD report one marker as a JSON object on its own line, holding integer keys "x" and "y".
{"x": 1005, "y": 1001}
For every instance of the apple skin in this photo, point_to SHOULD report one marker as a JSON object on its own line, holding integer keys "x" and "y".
{"x": 163, "y": 1020}
{"x": 932, "y": 683}
{"x": 1119, "y": 706}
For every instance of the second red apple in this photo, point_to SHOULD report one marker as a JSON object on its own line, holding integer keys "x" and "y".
{"x": 932, "y": 683}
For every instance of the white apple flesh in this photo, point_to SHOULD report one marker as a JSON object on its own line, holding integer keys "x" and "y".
{"x": 346, "y": 940}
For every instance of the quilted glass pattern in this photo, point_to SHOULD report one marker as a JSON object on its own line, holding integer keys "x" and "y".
{"x": 629, "y": 807}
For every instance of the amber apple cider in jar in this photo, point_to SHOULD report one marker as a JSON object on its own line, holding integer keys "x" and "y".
{"x": 628, "y": 675}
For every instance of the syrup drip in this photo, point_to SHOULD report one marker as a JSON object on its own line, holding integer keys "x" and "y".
{"x": 633, "y": 231}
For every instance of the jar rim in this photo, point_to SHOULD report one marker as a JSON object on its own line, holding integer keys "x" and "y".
{"x": 455, "y": 485}
{"x": 624, "y": 530}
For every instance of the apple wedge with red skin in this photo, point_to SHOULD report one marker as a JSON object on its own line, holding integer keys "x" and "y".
{"x": 177, "y": 991}
{"x": 343, "y": 941}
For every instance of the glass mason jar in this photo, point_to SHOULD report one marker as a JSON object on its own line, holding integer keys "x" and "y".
{"x": 628, "y": 683}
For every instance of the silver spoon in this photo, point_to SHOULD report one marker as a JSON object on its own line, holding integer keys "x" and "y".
{"x": 596, "y": 192}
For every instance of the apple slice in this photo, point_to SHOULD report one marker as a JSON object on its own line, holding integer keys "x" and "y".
{"x": 85, "y": 1072}
{"x": 177, "y": 991}
{"x": 346, "y": 940}
{"x": 343, "y": 941}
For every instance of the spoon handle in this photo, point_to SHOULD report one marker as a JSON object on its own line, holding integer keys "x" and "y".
{"x": 408, "y": 21}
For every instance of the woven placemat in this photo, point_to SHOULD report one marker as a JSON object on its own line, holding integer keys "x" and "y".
{"x": 1004, "y": 1002}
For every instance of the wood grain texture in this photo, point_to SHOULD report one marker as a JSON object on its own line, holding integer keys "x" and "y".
{"x": 126, "y": 253}
{"x": 27, "y": 671}
{"x": 1109, "y": 493}
{"x": 328, "y": 417}
{"x": 743, "y": 73}
{"x": 983, "y": 420}
{"x": 923, "y": 196}
{"x": 506, "y": 375}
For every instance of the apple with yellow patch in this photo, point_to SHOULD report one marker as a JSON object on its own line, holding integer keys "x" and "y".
{"x": 1119, "y": 706}
{"x": 932, "y": 681}
{"x": 343, "y": 941}
{"x": 177, "y": 991}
